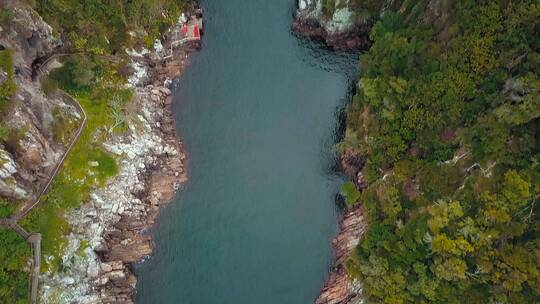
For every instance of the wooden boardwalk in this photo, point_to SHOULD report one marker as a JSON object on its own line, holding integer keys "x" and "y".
{"x": 35, "y": 240}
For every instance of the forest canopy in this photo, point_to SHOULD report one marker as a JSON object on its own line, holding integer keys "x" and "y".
{"x": 447, "y": 110}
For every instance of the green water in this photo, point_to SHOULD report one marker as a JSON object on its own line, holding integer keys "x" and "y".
{"x": 257, "y": 110}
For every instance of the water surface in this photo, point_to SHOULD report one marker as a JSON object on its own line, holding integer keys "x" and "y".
{"x": 257, "y": 110}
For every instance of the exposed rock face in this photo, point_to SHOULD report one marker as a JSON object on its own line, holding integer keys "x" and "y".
{"x": 29, "y": 36}
{"x": 339, "y": 288}
{"x": 340, "y": 29}
{"x": 30, "y": 151}
{"x": 114, "y": 221}
{"x": 352, "y": 164}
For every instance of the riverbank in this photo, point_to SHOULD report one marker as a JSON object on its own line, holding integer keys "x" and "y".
{"x": 108, "y": 232}
{"x": 340, "y": 32}
{"x": 339, "y": 288}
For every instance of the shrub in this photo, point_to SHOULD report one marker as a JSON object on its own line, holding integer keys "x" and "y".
{"x": 350, "y": 193}
{"x": 8, "y": 87}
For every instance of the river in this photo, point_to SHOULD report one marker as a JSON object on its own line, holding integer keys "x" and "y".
{"x": 257, "y": 110}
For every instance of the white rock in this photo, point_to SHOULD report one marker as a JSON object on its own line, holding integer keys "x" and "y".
{"x": 105, "y": 267}
{"x": 158, "y": 47}
{"x": 93, "y": 270}
{"x": 68, "y": 281}
{"x": 139, "y": 74}
{"x": 182, "y": 19}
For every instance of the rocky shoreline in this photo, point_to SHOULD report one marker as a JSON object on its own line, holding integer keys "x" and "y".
{"x": 108, "y": 233}
{"x": 340, "y": 32}
{"x": 339, "y": 288}
{"x": 356, "y": 37}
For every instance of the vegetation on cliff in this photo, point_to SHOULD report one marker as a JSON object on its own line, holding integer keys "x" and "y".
{"x": 15, "y": 252}
{"x": 7, "y": 84}
{"x": 447, "y": 113}
{"x": 13, "y": 278}
{"x": 105, "y": 27}
{"x": 98, "y": 89}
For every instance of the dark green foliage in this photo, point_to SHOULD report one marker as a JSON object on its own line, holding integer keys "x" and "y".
{"x": 448, "y": 111}
{"x": 13, "y": 281}
{"x": 77, "y": 73}
{"x": 13, "y": 140}
{"x": 104, "y": 27}
{"x": 4, "y": 132}
{"x": 350, "y": 193}
{"x": 6, "y": 209}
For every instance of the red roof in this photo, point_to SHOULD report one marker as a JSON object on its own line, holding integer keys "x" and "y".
{"x": 184, "y": 30}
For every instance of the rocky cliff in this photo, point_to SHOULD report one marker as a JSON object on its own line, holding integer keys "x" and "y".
{"x": 339, "y": 288}
{"x": 31, "y": 147}
{"x": 337, "y": 23}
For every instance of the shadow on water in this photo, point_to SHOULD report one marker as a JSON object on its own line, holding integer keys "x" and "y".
{"x": 329, "y": 60}
{"x": 258, "y": 111}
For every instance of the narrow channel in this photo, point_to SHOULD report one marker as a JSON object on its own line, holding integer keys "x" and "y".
{"x": 257, "y": 110}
